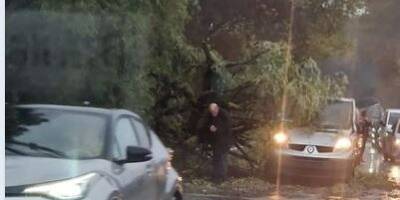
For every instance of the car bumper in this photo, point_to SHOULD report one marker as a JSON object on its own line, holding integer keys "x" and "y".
{"x": 173, "y": 184}
{"x": 314, "y": 167}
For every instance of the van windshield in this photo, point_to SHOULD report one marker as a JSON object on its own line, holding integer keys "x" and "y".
{"x": 336, "y": 115}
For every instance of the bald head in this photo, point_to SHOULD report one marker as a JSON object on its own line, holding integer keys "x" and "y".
{"x": 213, "y": 108}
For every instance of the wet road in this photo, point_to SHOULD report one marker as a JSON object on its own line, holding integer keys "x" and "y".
{"x": 373, "y": 164}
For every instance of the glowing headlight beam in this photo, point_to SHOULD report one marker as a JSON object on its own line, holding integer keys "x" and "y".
{"x": 74, "y": 188}
{"x": 280, "y": 138}
{"x": 343, "y": 143}
{"x": 397, "y": 142}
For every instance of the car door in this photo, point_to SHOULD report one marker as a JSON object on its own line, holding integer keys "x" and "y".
{"x": 134, "y": 178}
{"x": 162, "y": 160}
{"x": 152, "y": 168}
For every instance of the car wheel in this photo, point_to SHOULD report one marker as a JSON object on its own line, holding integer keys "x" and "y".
{"x": 115, "y": 196}
{"x": 385, "y": 158}
{"x": 177, "y": 196}
{"x": 392, "y": 159}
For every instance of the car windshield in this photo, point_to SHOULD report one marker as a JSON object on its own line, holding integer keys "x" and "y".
{"x": 54, "y": 133}
{"x": 393, "y": 118}
{"x": 337, "y": 115}
{"x": 398, "y": 127}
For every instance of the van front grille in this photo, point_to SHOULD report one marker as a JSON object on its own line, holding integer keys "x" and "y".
{"x": 324, "y": 149}
{"x": 297, "y": 147}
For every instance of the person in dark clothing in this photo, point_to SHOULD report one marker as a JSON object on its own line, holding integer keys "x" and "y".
{"x": 214, "y": 127}
{"x": 364, "y": 125}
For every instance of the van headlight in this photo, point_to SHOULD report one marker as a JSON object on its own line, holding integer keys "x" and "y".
{"x": 343, "y": 144}
{"x": 397, "y": 142}
{"x": 280, "y": 138}
{"x": 74, "y": 188}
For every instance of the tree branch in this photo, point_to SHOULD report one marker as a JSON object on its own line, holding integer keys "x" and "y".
{"x": 248, "y": 61}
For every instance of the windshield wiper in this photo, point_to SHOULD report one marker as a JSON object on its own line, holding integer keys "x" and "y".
{"x": 16, "y": 151}
{"x": 34, "y": 146}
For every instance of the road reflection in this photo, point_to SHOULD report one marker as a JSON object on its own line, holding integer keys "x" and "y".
{"x": 374, "y": 163}
{"x": 373, "y": 160}
{"x": 394, "y": 174}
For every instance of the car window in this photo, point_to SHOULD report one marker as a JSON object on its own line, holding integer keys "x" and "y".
{"x": 125, "y": 136}
{"x": 74, "y": 134}
{"x": 398, "y": 127}
{"x": 393, "y": 117}
{"x": 142, "y": 133}
{"x": 159, "y": 150}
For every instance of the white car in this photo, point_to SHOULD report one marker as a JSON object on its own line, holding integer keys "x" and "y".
{"x": 327, "y": 150}
{"x": 391, "y": 135}
{"x": 389, "y": 139}
{"x": 68, "y": 152}
{"x": 392, "y": 116}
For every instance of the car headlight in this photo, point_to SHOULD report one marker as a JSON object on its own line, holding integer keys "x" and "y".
{"x": 343, "y": 144}
{"x": 280, "y": 138}
{"x": 74, "y": 188}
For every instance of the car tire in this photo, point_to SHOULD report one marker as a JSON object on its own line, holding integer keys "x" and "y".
{"x": 115, "y": 196}
{"x": 177, "y": 196}
{"x": 386, "y": 159}
{"x": 392, "y": 159}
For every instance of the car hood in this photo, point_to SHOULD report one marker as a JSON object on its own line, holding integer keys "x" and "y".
{"x": 24, "y": 170}
{"x": 310, "y": 136}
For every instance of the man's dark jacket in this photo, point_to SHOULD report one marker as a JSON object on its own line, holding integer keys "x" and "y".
{"x": 363, "y": 127}
{"x": 222, "y": 138}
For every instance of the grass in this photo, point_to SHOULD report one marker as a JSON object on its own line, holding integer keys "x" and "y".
{"x": 242, "y": 187}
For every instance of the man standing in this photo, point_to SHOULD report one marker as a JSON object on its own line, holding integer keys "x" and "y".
{"x": 215, "y": 125}
{"x": 364, "y": 124}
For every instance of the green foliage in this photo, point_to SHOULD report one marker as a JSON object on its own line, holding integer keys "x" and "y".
{"x": 100, "y": 51}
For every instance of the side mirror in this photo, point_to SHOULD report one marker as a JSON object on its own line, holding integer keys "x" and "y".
{"x": 136, "y": 154}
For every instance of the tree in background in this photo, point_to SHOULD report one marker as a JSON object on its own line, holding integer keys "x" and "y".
{"x": 377, "y": 64}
